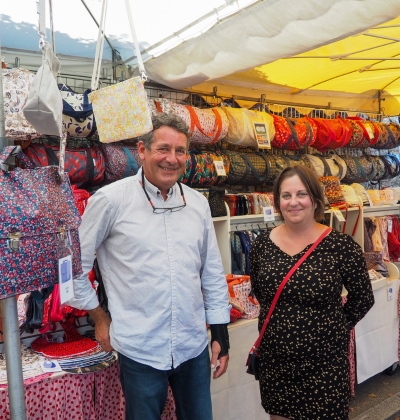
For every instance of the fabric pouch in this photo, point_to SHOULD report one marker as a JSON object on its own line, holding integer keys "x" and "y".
{"x": 121, "y": 111}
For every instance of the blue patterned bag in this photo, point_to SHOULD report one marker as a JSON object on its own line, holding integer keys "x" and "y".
{"x": 39, "y": 224}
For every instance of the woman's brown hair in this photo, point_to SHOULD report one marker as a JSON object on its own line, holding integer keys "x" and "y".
{"x": 310, "y": 181}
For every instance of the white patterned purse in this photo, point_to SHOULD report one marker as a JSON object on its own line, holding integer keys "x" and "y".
{"x": 121, "y": 110}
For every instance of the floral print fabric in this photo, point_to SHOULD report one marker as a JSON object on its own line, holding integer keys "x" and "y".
{"x": 121, "y": 111}
{"x": 36, "y": 204}
{"x": 16, "y": 86}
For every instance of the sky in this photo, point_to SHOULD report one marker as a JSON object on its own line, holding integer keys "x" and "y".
{"x": 76, "y": 32}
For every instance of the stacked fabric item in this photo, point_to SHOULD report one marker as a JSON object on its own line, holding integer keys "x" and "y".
{"x": 75, "y": 353}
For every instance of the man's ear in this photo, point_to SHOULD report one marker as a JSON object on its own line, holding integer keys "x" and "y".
{"x": 141, "y": 150}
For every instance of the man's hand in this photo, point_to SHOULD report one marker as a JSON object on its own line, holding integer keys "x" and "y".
{"x": 101, "y": 327}
{"x": 223, "y": 360}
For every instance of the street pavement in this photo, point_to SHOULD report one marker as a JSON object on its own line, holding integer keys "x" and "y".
{"x": 378, "y": 398}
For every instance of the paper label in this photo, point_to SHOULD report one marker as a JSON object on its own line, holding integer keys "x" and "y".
{"x": 65, "y": 279}
{"x": 219, "y": 167}
{"x": 262, "y": 136}
{"x": 49, "y": 365}
{"x": 369, "y": 199}
{"x": 339, "y": 215}
{"x": 390, "y": 293}
{"x": 390, "y": 225}
{"x": 268, "y": 213}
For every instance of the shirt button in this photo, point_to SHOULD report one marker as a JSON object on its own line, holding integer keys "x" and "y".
{"x": 173, "y": 335}
{"x": 174, "y": 308}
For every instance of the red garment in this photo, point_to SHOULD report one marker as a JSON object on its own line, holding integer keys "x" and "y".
{"x": 81, "y": 198}
{"x": 74, "y": 344}
{"x": 393, "y": 239}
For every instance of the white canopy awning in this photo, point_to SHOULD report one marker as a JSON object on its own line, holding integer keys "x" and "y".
{"x": 264, "y": 32}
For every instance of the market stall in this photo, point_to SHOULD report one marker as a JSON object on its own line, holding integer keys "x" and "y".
{"x": 358, "y": 135}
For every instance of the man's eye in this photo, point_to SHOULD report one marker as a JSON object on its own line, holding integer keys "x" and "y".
{"x": 181, "y": 152}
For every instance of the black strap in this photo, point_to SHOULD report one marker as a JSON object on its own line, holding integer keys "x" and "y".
{"x": 89, "y": 167}
{"x": 193, "y": 165}
{"x": 327, "y": 169}
{"x": 392, "y": 142}
{"x": 293, "y": 135}
{"x": 267, "y": 164}
{"x": 254, "y": 170}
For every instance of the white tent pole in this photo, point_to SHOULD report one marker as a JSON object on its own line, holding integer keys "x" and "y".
{"x": 12, "y": 344}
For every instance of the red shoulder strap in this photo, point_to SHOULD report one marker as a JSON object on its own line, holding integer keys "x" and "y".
{"x": 195, "y": 123}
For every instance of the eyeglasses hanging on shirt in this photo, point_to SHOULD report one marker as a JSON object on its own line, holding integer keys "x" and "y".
{"x": 159, "y": 210}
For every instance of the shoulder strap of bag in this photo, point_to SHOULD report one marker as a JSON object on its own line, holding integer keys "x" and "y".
{"x": 293, "y": 135}
{"x": 195, "y": 123}
{"x": 99, "y": 47}
{"x": 253, "y": 169}
{"x": 391, "y": 141}
{"x": 131, "y": 164}
{"x": 282, "y": 285}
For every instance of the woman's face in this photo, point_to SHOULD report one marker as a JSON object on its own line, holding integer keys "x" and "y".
{"x": 295, "y": 202}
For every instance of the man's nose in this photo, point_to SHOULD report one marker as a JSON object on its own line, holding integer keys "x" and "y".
{"x": 172, "y": 156}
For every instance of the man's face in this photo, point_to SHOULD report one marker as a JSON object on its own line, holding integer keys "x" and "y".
{"x": 165, "y": 162}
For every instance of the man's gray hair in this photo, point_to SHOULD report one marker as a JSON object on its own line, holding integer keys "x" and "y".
{"x": 170, "y": 120}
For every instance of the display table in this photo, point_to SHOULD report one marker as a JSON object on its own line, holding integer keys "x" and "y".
{"x": 377, "y": 334}
{"x": 90, "y": 396}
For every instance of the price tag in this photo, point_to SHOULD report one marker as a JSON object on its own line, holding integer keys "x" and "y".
{"x": 370, "y": 132}
{"x": 262, "y": 136}
{"x": 65, "y": 279}
{"x": 219, "y": 167}
{"x": 268, "y": 213}
{"x": 390, "y": 225}
{"x": 390, "y": 293}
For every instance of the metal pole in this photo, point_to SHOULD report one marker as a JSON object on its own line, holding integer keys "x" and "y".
{"x": 12, "y": 344}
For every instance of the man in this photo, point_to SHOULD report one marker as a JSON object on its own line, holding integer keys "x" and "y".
{"x": 158, "y": 255}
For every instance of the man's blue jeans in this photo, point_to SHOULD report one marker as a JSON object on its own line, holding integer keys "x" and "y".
{"x": 145, "y": 389}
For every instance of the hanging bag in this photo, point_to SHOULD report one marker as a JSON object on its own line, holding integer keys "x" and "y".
{"x": 240, "y": 294}
{"x": 16, "y": 86}
{"x": 43, "y": 109}
{"x": 85, "y": 165}
{"x": 77, "y": 119}
{"x": 252, "y": 360}
{"x": 38, "y": 225}
{"x": 121, "y": 110}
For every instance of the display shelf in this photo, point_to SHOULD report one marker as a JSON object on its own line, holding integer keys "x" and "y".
{"x": 384, "y": 210}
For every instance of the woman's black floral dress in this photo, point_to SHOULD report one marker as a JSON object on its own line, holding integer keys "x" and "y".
{"x": 304, "y": 366}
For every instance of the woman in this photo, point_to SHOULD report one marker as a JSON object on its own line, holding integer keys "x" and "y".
{"x": 303, "y": 357}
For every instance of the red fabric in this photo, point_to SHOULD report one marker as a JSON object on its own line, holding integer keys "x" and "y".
{"x": 293, "y": 133}
{"x": 74, "y": 344}
{"x": 332, "y": 133}
{"x": 393, "y": 240}
{"x": 81, "y": 198}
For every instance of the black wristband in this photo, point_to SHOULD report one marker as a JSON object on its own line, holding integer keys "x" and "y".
{"x": 219, "y": 333}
